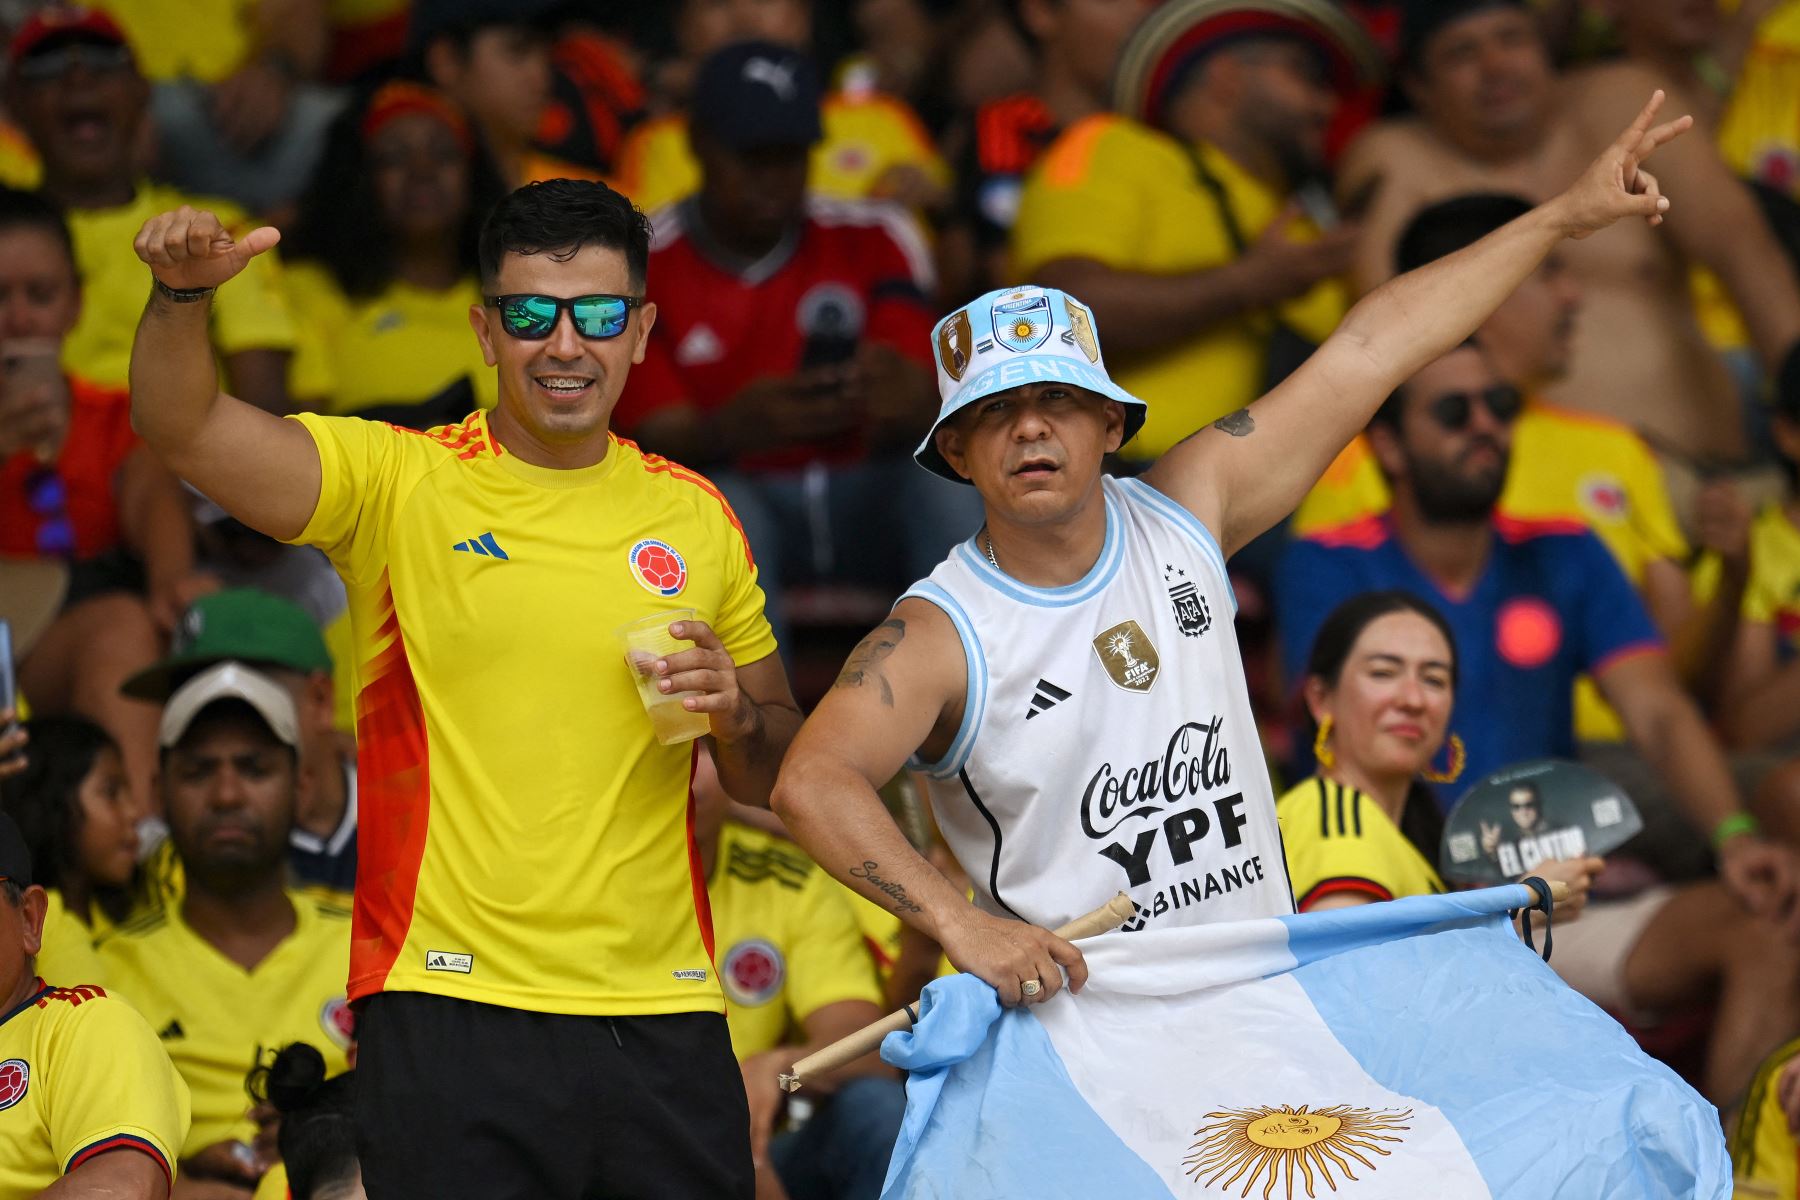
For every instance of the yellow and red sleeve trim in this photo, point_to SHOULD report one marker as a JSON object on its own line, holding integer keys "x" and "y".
{"x": 1338, "y": 884}
{"x": 121, "y": 1141}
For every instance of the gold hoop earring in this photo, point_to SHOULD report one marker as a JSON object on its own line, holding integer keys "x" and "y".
{"x": 1459, "y": 757}
{"x": 1322, "y": 745}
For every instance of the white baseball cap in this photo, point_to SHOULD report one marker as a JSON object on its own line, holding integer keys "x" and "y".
{"x": 1009, "y": 338}
{"x": 230, "y": 681}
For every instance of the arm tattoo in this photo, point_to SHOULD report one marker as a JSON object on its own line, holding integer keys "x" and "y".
{"x": 865, "y": 661}
{"x": 1237, "y": 424}
{"x": 895, "y": 892}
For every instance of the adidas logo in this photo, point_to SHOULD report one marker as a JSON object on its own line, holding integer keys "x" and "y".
{"x": 485, "y": 545}
{"x": 699, "y": 347}
{"x": 172, "y": 1031}
{"x": 1047, "y": 697}
{"x": 441, "y": 960}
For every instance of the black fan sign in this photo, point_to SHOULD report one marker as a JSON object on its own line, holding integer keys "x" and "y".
{"x": 1530, "y": 813}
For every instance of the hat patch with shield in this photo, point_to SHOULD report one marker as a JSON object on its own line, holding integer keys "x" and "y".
{"x": 1013, "y": 337}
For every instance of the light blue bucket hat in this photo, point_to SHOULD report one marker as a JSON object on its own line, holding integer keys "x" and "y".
{"x": 1009, "y": 338}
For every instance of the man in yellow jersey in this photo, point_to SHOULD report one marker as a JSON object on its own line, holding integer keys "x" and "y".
{"x": 532, "y": 944}
{"x": 75, "y": 89}
{"x": 279, "y": 639}
{"x": 1177, "y": 221}
{"x": 242, "y": 964}
{"x": 797, "y": 977}
{"x": 89, "y": 1104}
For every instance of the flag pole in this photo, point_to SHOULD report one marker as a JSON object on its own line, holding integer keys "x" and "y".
{"x": 846, "y": 1050}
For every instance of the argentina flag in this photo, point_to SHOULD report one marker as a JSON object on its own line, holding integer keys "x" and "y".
{"x": 1412, "y": 1050}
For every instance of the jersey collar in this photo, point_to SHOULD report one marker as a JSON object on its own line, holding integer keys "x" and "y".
{"x": 36, "y": 994}
{"x": 752, "y": 271}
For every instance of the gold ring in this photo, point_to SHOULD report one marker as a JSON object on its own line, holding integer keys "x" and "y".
{"x": 1031, "y": 987}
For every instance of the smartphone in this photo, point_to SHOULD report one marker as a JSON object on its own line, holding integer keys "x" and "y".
{"x": 30, "y": 366}
{"x": 827, "y": 348}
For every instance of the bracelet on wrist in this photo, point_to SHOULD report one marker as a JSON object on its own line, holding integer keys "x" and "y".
{"x": 1736, "y": 825}
{"x": 181, "y": 295}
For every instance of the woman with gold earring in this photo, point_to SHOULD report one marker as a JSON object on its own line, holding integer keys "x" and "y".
{"x": 1380, "y": 686}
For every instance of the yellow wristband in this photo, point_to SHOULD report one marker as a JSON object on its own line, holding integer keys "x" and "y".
{"x": 1737, "y": 823}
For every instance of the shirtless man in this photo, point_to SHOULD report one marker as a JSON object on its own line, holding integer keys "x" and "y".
{"x": 1495, "y": 117}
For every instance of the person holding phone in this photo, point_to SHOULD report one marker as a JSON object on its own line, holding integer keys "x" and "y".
{"x": 792, "y": 354}
{"x": 78, "y": 489}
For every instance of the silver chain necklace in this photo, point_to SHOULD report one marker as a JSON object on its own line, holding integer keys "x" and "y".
{"x": 992, "y": 561}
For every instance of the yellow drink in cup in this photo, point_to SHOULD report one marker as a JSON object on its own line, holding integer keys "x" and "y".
{"x": 646, "y": 640}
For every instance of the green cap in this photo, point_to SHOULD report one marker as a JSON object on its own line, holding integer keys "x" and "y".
{"x": 244, "y": 624}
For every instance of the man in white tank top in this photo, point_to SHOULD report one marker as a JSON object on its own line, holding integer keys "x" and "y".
{"x": 1068, "y": 678}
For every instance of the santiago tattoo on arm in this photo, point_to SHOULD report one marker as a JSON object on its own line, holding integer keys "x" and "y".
{"x": 865, "y": 661}
{"x": 1237, "y": 424}
{"x": 895, "y": 892}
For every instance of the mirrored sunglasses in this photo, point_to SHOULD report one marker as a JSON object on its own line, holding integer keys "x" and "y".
{"x": 531, "y": 318}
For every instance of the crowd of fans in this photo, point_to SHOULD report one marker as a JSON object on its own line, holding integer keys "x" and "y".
{"x": 1578, "y": 535}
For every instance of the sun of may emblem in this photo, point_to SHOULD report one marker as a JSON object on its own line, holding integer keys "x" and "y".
{"x": 1287, "y": 1143}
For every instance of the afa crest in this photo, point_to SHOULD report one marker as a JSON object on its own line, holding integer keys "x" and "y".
{"x": 954, "y": 345}
{"x": 15, "y": 1081}
{"x": 1284, "y": 1143}
{"x": 659, "y": 567}
{"x": 1022, "y": 321}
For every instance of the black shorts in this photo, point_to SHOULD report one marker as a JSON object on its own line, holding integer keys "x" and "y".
{"x": 458, "y": 1099}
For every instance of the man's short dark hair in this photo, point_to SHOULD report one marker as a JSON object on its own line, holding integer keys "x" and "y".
{"x": 13, "y": 891}
{"x": 1441, "y": 229}
{"x": 30, "y": 210}
{"x": 559, "y": 217}
{"x": 1421, "y": 20}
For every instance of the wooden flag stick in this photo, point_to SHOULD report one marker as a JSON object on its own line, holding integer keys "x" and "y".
{"x": 847, "y": 1050}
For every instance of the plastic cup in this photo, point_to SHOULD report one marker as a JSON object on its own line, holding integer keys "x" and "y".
{"x": 644, "y": 641}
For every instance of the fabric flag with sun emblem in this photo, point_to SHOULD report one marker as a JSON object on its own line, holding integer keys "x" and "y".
{"x": 1399, "y": 1051}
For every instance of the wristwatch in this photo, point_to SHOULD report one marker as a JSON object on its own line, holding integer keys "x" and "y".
{"x": 181, "y": 295}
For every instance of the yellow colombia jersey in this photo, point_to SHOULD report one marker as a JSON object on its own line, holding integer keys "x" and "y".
{"x": 1122, "y": 194}
{"x": 866, "y": 135}
{"x": 1772, "y": 594}
{"x": 1339, "y": 840}
{"x": 80, "y": 1075}
{"x": 522, "y": 838}
{"x": 1762, "y": 1148}
{"x": 1759, "y": 135}
{"x": 68, "y": 949}
{"x": 788, "y": 942}
{"x": 1567, "y": 464}
{"x": 251, "y": 314}
{"x": 217, "y": 1020}
{"x": 405, "y": 345}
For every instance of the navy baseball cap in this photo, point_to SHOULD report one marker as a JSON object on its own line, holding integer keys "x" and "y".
{"x": 15, "y": 859}
{"x": 757, "y": 96}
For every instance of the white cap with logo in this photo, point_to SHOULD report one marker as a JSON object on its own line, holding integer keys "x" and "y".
{"x": 1009, "y": 338}
{"x": 230, "y": 681}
